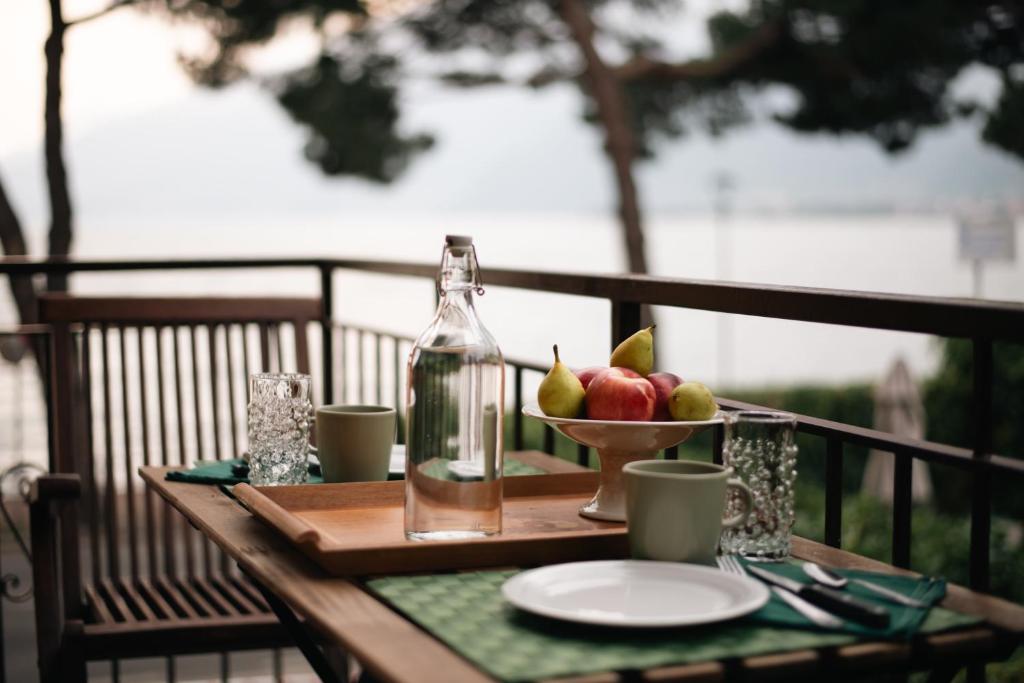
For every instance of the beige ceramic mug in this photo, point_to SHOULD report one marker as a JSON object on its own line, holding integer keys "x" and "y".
{"x": 354, "y": 442}
{"x": 674, "y": 509}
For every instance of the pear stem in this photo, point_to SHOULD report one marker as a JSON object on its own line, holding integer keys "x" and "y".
{"x": 557, "y": 359}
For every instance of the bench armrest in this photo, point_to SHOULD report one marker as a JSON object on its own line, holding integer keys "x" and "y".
{"x": 55, "y": 487}
{"x": 53, "y": 515}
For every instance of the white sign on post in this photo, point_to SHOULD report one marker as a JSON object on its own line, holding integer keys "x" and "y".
{"x": 988, "y": 235}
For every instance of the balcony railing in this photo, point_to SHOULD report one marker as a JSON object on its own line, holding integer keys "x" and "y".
{"x": 981, "y": 322}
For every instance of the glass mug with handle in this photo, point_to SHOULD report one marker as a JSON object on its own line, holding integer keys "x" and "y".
{"x": 761, "y": 447}
{"x": 674, "y": 509}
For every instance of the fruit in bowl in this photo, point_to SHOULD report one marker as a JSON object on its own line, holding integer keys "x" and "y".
{"x": 663, "y": 383}
{"x": 586, "y": 375}
{"x": 620, "y": 394}
{"x": 692, "y": 401}
{"x": 560, "y": 393}
{"x": 625, "y": 391}
{"x": 636, "y": 352}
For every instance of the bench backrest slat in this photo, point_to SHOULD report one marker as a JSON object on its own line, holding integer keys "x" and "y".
{"x": 146, "y": 381}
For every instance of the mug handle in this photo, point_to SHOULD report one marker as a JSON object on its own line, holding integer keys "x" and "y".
{"x": 748, "y": 504}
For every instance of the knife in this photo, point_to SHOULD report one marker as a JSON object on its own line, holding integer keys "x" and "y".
{"x": 834, "y": 601}
{"x": 815, "y": 614}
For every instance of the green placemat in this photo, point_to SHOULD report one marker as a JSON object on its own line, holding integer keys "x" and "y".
{"x": 221, "y": 472}
{"x": 515, "y": 468}
{"x": 467, "y": 612}
{"x": 904, "y": 621}
{"x": 438, "y": 469}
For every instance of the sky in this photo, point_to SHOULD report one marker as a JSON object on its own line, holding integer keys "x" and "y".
{"x": 136, "y": 127}
{"x": 158, "y": 166}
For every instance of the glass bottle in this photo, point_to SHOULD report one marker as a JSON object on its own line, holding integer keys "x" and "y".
{"x": 454, "y": 412}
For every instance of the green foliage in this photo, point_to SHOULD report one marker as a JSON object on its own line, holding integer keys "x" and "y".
{"x": 949, "y": 394}
{"x": 351, "y": 112}
{"x": 498, "y": 28}
{"x": 234, "y": 25}
{"x": 347, "y": 99}
{"x": 949, "y": 404}
{"x": 851, "y": 404}
{"x": 1003, "y": 128}
{"x": 881, "y": 69}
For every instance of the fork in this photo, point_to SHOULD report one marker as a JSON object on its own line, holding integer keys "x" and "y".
{"x": 730, "y": 564}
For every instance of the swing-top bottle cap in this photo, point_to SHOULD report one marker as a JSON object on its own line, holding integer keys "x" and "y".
{"x": 458, "y": 240}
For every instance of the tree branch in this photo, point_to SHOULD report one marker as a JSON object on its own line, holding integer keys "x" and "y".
{"x": 99, "y": 13}
{"x": 725, "y": 63}
{"x": 642, "y": 68}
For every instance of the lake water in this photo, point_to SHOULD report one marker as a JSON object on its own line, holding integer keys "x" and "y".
{"x": 912, "y": 254}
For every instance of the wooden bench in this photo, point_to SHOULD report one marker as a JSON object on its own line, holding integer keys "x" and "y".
{"x": 138, "y": 382}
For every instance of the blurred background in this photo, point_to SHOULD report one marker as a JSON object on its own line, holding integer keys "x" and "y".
{"x": 864, "y": 146}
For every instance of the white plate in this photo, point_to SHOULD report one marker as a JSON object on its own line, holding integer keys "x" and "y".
{"x": 466, "y": 469}
{"x": 634, "y": 593}
{"x": 397, "y": 464}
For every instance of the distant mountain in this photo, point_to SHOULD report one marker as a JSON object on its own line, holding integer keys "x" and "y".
{"x": 503, "y": 150}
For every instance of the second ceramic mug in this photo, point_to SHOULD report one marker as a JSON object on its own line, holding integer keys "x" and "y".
{"x": 674, "y": 509}
{"x": 354, "y": 442}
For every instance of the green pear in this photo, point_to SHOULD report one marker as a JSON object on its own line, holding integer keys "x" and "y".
{"x": 561, "y": 392}
{"x": 636, "y": 353}
{"x": 692, "y": 401}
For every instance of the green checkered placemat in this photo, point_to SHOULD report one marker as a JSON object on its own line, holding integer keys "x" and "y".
{"x": 438, "y": 469}
{"x": 222, "y": 472}
{"x": 515, "y": 468}
{"x": 467, "y": 612}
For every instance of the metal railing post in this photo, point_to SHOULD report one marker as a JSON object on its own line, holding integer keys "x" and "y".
{"x": 981, "y": 489}
{"x": 625, "y": 320}
{"x": 834, "y": 493}
{"x": 517, "y": 418}
{"x": 717, "y": 443}
{"x": 327, "y": 330}
{"x": 901, "y": 508}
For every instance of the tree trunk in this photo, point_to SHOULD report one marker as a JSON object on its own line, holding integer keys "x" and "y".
{"x": 12, "y": 240}
{"x": 56, "y": 174}
{"x": 620, "y": 144}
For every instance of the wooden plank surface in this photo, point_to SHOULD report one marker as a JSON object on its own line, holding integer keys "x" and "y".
{"x": 394, "y": 649}
{"x": 389, "y": 646}
{"x": 357, "y": 528}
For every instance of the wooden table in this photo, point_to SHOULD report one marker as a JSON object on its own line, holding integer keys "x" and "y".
{"x": 391, "y": 648}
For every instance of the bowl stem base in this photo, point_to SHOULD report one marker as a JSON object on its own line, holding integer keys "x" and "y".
{"x": 609, "y": 504}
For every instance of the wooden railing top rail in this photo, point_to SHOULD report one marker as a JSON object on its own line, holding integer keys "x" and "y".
{"x": 170, "y": 310}
{"x": 946, "y": 317}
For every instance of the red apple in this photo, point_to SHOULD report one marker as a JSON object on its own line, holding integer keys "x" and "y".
{"x": 620, "y": 394}
{"x": 664, "y": 383}
{"x": 586, "y": 375}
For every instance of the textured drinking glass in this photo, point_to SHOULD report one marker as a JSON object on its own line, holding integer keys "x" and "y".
{"x": 279, "y": 415}
{"x": 760, "y": 447}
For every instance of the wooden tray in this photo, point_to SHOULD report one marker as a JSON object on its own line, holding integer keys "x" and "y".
{"x": 357, "y": 528}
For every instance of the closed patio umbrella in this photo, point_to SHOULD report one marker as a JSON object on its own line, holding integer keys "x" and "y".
{"x": 898, "y": 410}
